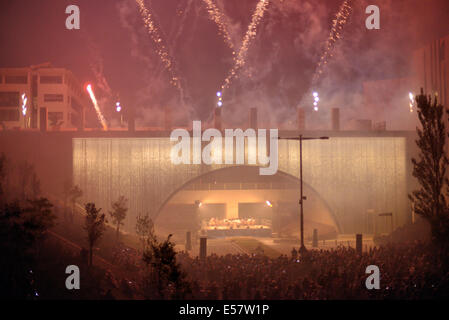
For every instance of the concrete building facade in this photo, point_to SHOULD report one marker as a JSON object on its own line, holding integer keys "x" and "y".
{"x": 41, "y": 97}
{"x": 431, "y": 69}
{"x": 352, "y": 173}
{"x": 388, "y": 99}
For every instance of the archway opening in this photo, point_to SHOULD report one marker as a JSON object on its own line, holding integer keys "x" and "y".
{"x": 237, "y": 201}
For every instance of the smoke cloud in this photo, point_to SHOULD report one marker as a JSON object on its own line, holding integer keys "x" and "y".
{"x": 281, "y": 60}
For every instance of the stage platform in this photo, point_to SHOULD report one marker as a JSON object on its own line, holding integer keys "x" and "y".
{"x": 253, "y": 231}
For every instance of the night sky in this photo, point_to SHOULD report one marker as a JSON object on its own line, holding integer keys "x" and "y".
{"x": 282, "y": 58}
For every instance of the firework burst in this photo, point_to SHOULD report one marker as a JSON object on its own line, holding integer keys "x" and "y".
{"x": 240, "y": 59}
{"x": 218, "y": 17}
{"x": 160, "y": 47}
{"x": 341, "y": 18}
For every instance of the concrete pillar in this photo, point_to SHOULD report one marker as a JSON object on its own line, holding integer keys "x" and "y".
{"x": 253, "y": 118}
{"x": 131, "y": 120}
{"x": 167, "y": 119}
{"x": 197, "y": 219}
{"x": 335, "y": 116}
{"x": 203, "y": 248}
{"x": 358, "y": 243}
{"x": 33, "y": 102}
{"x": 217, "y": 118}
{"x": 301, "y": 119}
{"x": 43, "y": 119}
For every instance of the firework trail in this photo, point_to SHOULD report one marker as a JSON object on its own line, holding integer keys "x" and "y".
{"x": 338, "y": 23}
{"x": 185, "y": 14}
{"x": 218, "y": 17}
{"x": 412, "y": 101}
{"x": 240, "y": 59}
{"x": 97, "y": 69}
{"x": 97, "y": 108}
{"x": 160, "y": 47}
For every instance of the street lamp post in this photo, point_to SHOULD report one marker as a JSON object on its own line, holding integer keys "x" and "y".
{"x": 198, "y": 222}
{"x": 302, "y": 198}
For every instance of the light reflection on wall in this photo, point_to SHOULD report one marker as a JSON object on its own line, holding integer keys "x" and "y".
{"x": 352, "y": 174}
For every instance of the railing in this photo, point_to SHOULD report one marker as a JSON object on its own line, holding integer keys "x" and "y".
{"x": 242, "y": 186}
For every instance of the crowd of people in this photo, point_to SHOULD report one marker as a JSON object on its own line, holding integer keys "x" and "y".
{"x": 407, "y": 271}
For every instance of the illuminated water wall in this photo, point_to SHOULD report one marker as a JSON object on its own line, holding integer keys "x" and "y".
{"x": 353, "y": 175}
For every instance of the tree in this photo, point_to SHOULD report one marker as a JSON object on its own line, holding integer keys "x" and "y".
{"x": 21, "y": 230}
{"x": 94, "y": 226}
{"x": 144, "y": 229}
{"x": 26, "y": 171}
{"x": 430, "y": 168}
{"x": 35, "y": 186}
{"x": 165, "y": 273}
{"x": 118, "y": 213}
{"x": 197, "y": 223}
{"x": 39, "y": 217}
{"x": 66, "y": 191}
{"x": 2, "y": 177}
{"x": 75, "y": 194}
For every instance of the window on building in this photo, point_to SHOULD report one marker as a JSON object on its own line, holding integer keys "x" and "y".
{"x": 16, "y": 79}
{"x": 9, "y": 99}
{"x": 9, "y": 115}
{"x": 55, "y": 118}
{"x": 51, "y": 79}
{"x": 53, "y": 97}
